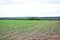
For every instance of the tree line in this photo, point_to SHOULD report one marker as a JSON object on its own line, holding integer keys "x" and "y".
{"x": 30, "y": 18}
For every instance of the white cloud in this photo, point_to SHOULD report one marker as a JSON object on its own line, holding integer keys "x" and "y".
{"x": 50, "y": 1}
{"x": 30, "y": 9}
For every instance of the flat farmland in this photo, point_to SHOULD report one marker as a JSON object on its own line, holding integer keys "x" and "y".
{"x": 29, "y": 29}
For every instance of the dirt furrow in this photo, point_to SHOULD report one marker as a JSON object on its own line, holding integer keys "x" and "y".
{"x": 36, "y": 36}
{"x": 24, "y": 36}
{"x": 46, "y": 36}
{"x": 13, "y": 33}
{"x": 21, "y": 34}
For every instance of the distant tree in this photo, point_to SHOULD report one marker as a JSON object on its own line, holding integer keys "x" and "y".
{"x": 32, "y": 18}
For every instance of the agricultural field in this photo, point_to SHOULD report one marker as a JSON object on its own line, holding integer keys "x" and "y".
{"x": 29, "y": 30}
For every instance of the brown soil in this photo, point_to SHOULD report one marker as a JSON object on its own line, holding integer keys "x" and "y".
{"x": 46, "y": 36}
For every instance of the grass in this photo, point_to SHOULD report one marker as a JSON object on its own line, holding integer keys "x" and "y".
{"x": 6, "y": 26}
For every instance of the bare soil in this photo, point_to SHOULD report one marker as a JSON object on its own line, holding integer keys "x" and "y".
{"x": 46, "y": 36}
{"x": 38, "y": 36}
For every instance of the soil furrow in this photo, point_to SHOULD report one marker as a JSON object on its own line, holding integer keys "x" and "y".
{"x": 12, "y": 33}
{"x": 29, "y": 34}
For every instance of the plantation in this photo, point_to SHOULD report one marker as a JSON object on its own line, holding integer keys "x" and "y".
{"x": 21, "y": 29}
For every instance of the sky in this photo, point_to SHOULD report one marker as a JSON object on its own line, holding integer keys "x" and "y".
{"x": 29, "y": 8}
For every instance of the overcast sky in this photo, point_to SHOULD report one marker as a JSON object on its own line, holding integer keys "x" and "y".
{"x": 28, "y": 8}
